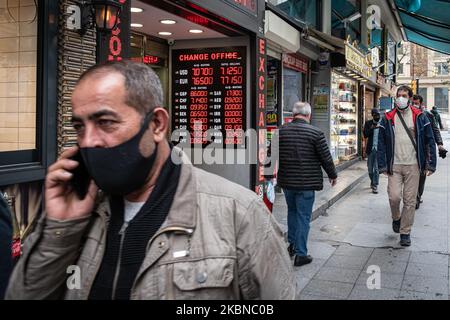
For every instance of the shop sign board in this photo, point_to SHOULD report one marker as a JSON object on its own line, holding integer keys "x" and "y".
{"x": 151, "y": 60}
{"x": 271, "y": 118}
{"x": 209, "y": 93}
{"x": 357, "y": 61}
{"x": 375, "y": 53}
{"x": 320, "y": 99}
{"x": 115, "y": 46}
{"x": 295, "y": 62}
{"x": 247, "y": 5}
{"x": 246, "y": 13}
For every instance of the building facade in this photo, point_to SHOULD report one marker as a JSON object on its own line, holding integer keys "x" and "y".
{"x": 226, "y": 64}
{"x": 431, "y": 69}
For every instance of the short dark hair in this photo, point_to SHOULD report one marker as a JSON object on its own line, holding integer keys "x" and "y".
{"x": 405, "y": 88}
{"x": 418, "y": 97}
{"x": 143, "y": 87}
{"x": 375, "y": 111}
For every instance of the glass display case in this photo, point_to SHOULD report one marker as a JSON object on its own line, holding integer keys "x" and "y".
{"x": 344, "y": 118}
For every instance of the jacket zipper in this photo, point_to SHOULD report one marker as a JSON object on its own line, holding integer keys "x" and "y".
{"x": 122, "y": 231}
{"x": 393, "y": 148}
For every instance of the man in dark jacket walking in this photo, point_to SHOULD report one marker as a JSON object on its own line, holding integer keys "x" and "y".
{"x": 5, "y": 245}
{"x": 418, "y": 103}
{"x": 303, "y": 151}
{"x": 371, "y": 130}
{"x": 437, "y": 117}
{"x": 406, "y": 149}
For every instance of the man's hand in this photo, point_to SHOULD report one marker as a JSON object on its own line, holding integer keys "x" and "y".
{"x": 61, "y": 201}
{"x": 333, "y": 182}
{"x": 428, "y": 173}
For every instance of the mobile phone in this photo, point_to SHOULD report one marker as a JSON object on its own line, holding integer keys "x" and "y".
{"x": 80, "y": 179}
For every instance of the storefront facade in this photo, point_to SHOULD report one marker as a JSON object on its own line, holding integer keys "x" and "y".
{"x": 350, "y": 98}
{"x": 28, "y": 103}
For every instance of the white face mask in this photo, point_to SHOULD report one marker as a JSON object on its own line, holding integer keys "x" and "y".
{"x": 402, "y": 102}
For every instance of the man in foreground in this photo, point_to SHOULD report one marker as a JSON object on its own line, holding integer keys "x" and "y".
{"x": 161, "y": 229}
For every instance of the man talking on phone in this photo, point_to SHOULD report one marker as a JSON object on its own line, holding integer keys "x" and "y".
{"x": 159, "y": 229}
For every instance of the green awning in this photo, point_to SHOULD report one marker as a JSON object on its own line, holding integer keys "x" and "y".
{"x": 426, "y": 22}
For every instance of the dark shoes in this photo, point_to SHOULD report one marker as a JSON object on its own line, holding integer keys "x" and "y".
{"x": 374, "y": 189}
{"x": 405, "y": 240}
{"x": 302, "y": 260}
{"x": 418, "y": 202}
{"x": 396, "y": 225}
{"x": 291, "y": 250}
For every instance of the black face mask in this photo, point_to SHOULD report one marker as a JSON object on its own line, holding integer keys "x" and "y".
{"x": 376, "y": 118}
{"x": 122, "y": 169}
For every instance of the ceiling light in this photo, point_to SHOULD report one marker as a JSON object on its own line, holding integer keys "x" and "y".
{"x": 167, "y": 21}
{"x": 196, "y": 31}
{"x": 136, "y": 10}
{"x": 136, "y": 25}
{"x": 164, "y": 33}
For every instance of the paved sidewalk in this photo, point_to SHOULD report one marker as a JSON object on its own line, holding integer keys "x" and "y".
{"x": 356, "y": 233}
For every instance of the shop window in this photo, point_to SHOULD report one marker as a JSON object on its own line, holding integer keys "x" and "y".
{"x": 441, "y": 68}
{"x": 28, "y": 89}
{"x": 400, "y": 68}
{"x": 344, "y": 119}
{"x": 293, "y": 90}
{"x": 306, "y": 11}
{"x": 342, "y": 9}
{"x": 441, "y": 99}
{"x": 153, "y": 52}
{"x": 18, "y": 73}
{"x": 423, "y": 93}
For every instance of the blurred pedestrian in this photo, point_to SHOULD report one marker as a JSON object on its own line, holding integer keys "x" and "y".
{"x": 418, "y": 103}
{"x": 437, "y": 116}
{"x": 370, "y": 132}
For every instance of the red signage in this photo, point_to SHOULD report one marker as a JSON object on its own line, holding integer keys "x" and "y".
{"x": 295, "y": 62}
{"x": 261, "y": 112}
{"x": 115, "y": 46}
{"x": 249, "y": 5}
{"x": 209, "y": 93}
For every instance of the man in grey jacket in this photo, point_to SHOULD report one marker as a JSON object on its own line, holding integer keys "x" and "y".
{"x": 159, "y": 229}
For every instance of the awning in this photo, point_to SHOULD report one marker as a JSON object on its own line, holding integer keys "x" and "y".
{"x": 426, "y": 22}
{"x": 337, "y": 44}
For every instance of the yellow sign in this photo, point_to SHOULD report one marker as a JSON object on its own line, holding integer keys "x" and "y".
{"x": 414, "y": 86}
{"x": 357, "y": 61}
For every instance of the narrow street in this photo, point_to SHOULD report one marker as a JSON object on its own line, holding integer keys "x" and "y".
{"x": 356, "y": 233}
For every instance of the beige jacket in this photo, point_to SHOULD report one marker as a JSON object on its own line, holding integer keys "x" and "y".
{"x": 218, "y": 242}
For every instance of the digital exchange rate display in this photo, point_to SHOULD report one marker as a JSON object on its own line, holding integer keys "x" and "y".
{"x": 209, "y": 92}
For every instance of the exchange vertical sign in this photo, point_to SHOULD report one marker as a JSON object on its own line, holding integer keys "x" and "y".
{"x": 115, "y": 45}
{"x": 260, "y": 115}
